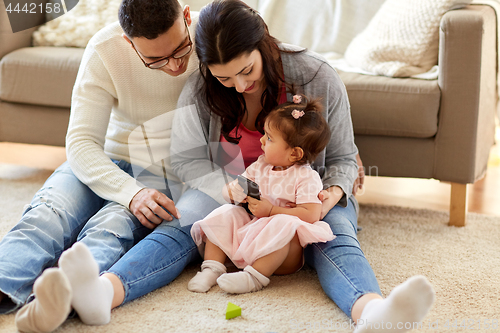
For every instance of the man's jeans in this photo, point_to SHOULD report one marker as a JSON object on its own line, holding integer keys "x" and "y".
{"x": 62, "y": 212}
{"x": 343, "y": 271}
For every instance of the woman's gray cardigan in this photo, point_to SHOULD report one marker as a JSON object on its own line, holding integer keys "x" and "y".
{"x": 196, "y": 133}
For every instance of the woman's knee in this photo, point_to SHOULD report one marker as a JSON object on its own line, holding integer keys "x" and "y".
{"x": 174, "y": 238}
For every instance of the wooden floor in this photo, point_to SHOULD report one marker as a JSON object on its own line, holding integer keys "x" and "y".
{"x": 483, "y": 197}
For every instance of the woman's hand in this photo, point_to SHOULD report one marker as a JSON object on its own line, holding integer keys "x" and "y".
{"x": 359, "y": 182}
{"x": 329, "y": 198}
{"x": 233, "y": 193}
{"x": 259, "y": 208}
{"x": 150, "y": 206}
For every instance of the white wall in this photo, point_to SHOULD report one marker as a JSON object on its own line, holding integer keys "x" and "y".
{"x": 197, "y": 4}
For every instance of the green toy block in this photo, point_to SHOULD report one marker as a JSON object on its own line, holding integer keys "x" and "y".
{"x": 232, "y": 310}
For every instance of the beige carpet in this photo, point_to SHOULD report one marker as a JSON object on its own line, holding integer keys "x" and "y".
{"x": 463, "y": 264}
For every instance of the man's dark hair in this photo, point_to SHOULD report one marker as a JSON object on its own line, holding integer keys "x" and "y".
{"x": 148, "y": 18}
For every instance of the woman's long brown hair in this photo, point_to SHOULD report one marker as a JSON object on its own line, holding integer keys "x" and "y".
{"x": 226, "y": 30}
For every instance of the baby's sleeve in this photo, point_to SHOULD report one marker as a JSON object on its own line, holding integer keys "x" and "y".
{"x": 252, "y": 171}
{"x": 308, "y": 187}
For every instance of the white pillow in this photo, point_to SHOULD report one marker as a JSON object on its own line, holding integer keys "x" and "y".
{"x": 320, "y": 25}
{"x": 402, "y": 39}
{"x": 76, "y": 27}
{"x": 197, "y": 5}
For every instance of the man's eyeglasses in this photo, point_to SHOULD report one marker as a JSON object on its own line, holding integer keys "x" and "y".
{"x": 178, "y": 53}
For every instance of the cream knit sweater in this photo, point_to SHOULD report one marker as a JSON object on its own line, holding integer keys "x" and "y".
{"x": 121, "y": 110}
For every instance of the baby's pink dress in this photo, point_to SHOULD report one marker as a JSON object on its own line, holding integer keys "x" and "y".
{"x": 245, "y": 238}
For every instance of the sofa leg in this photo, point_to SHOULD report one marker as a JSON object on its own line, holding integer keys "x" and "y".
{"x": 458, "y": 205}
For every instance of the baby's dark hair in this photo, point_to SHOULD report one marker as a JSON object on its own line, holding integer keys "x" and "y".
{"x": 309, "y": 131}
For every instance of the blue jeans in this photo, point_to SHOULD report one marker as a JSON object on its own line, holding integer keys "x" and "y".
{"x": 343, "y": 271}
{"x": 62, "y": 212}
{"x": 162, "y": 255}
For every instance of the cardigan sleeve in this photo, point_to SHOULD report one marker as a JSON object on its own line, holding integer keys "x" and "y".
{"x": 193, "y": 154}
{"x": 337, "y": 163}
{"x": 340, "y": 166}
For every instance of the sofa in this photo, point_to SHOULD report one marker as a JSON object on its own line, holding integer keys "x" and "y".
{"x": 441, "y": 128}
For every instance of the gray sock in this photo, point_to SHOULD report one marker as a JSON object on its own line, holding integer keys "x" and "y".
{"x": 242, "y": 282}
{"x": 207, "y": 278}
{"x": 51, "y": 306}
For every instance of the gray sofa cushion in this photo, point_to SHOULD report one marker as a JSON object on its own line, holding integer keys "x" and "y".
{"x": 393, "y": 107}
{"x": 40, "y": 75}
{"x": 380, "y": 105}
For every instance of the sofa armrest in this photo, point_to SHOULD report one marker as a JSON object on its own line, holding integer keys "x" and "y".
{"x": 10, "y": 41}
{"x": 467, "y": 78}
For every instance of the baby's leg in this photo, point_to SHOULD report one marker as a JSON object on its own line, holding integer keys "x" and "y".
{"x": 213, "y": 252}
{"x": 294, "y": 260}
{"x": 286, "y": 260}
{"x": 211, "y": 268}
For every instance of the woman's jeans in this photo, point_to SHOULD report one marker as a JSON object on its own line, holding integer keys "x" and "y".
{"x": 62, "y": 212}
{"x": 343, "y": 271}
{"x": 160, "y": 257}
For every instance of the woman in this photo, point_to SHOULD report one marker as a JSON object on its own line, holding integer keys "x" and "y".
{"x": 244, "y": 74}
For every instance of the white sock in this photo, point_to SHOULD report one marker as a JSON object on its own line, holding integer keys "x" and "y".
{"x": 51, "y": 306}
{"x": 242, "y": 282}
{"x": 407, "y": 303}
{"x": 207, "y": 278}
{"x": 92, "y": 294}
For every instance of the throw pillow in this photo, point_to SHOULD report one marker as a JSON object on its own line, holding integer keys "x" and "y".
{"x": 402, "y": 39}
{"x": 76, "y": 27}
{"x": 320, "y": 25}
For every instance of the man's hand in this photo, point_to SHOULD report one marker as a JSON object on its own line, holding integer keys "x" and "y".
{"x": 359, "y": 182}
{"x": 149, "y": 205}
{"x": 259, "y": 208}
{"x": 233, "y": 193}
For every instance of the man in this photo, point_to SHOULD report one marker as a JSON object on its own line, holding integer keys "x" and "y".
{"x": 113, "y": 189}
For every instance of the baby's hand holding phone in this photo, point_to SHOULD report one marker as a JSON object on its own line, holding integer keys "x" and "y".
{"x": 234, "y": 193}
{"x": 251, "y": 189}
{"x": 259, "y": 208}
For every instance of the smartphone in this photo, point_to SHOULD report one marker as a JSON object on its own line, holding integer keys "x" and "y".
{"x": 251, "y": 188}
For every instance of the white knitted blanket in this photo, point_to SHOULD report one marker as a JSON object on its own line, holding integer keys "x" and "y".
{"x": 76, "y": 27}
{"x": 402, "y": 39}
{"x": 393, "y": 44}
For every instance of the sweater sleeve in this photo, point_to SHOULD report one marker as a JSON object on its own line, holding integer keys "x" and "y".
{"x": 340, "y": 166}
{"x": 192, "y": 154}
{"x": 337, "y": 163}
{"x": 93, "y": 98}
